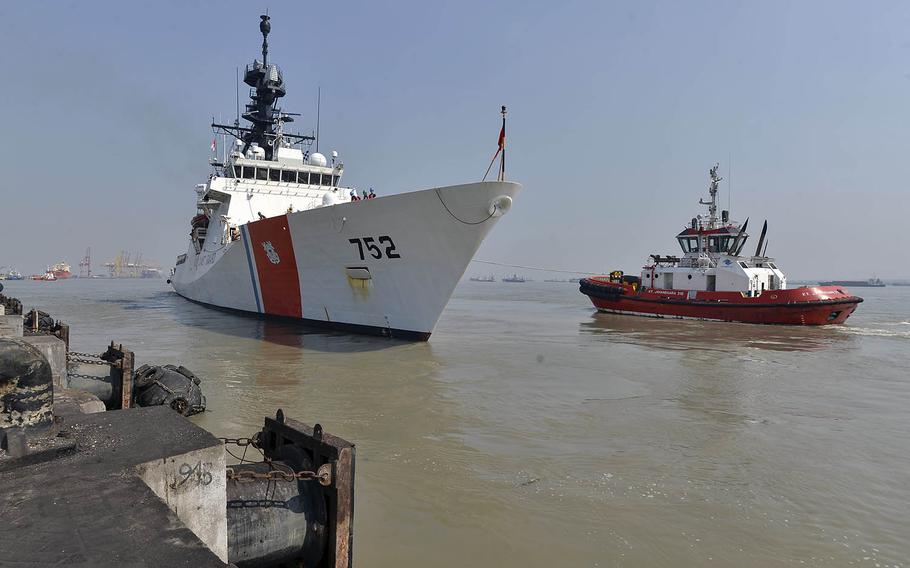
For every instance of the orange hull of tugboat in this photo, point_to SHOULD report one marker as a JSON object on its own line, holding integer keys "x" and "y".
{"x": 810, "y": 305}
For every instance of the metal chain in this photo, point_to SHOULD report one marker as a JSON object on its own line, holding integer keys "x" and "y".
{"x": 78, "y": 354}
{"x": 241, "y": 441}
{"x": 86, "y": 358}
{"x": 88, "y": 361}
{"x": 80, "y": 376}
{"x": 324, "y": 475}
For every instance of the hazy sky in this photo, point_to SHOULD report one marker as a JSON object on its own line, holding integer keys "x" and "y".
{"x": 616, "y": 112}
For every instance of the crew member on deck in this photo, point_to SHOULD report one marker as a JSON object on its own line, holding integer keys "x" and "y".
{"x": 372, "y": 195}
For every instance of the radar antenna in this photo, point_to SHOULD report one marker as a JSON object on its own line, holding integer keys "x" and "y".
{"x": 265, "y": 27}
{"x": 263, "y": 112}
{"x": 712, "y": 189}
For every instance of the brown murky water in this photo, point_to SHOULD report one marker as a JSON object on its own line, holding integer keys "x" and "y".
{"x": 532, "y": 432}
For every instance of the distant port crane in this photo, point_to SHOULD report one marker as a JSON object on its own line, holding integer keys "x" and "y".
{"x": 85, "y": 265}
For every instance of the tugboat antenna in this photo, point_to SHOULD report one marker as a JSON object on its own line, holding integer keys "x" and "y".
{"x": 712, "y": 189}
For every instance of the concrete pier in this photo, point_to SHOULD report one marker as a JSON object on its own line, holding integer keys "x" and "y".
{"x": 138, "y": 487}
{"x": 91, "y": 483}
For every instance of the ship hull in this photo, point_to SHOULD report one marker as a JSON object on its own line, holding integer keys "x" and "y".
{"x": 384, "y": 266}
{"x": 853, "y": 284}
{"x": 816, "y": 305}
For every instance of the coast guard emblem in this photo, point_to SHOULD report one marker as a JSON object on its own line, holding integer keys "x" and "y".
{"x": 271, "y": 252}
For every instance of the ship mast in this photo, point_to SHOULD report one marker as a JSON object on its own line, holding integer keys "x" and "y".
{"x": 262, "y": 111}
{"x": 712, "y": 189}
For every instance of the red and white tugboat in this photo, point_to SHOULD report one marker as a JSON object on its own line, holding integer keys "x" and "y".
{"x": 712, "y": 280}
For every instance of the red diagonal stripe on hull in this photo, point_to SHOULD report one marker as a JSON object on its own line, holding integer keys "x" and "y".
{"x": 278, "y": 281}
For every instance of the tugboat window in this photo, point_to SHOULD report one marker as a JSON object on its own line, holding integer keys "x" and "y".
{"x": 689, "y": 244}
{"x": 262, "y": 173}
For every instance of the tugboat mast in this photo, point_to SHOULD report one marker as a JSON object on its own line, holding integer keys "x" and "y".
{"x": 712, "y": 189}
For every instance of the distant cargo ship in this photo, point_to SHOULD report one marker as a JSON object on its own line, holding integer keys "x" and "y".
{"x": 870, "y": 283}
{"x": 513, "y": 278}
{"x": 483, "y": 278}
{"x": 61, "y": 271}
{"x": 48, "y": 276}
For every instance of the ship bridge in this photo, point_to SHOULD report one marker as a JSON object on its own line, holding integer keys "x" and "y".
{"x": 721, "y": 240}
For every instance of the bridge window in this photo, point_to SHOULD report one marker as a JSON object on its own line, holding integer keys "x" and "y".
{"x": 288, "y": 176}
{"x": 688, "y": 244}
{"x": 262, "y": 174}
{"x": 303, "y": 177}
{"x": 327, "y": 180}
{"x": 275, "y": 175}
{"x": 249, "y": 172}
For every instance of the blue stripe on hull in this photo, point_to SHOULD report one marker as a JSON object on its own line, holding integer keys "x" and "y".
{"x": 249, "y": 260}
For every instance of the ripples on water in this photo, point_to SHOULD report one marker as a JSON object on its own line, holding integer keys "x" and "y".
{"x": 531, "y": 431}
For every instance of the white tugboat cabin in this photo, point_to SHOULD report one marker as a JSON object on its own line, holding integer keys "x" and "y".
{"x": 712, "y": 258}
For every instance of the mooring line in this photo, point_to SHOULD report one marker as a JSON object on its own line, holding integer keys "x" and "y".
{"x": 535, "y": 267}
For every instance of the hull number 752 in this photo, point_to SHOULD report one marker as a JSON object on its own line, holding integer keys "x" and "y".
{"x": 385, "y": 247}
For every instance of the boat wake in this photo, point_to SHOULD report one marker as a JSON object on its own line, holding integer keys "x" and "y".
{"x": 877, "y": 332}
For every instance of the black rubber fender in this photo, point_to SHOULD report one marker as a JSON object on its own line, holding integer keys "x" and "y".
{"x": 166, "y": 386}
{"x": 147, "y": 375}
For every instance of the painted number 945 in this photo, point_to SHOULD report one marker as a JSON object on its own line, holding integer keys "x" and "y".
{"x": 385, "y": 247}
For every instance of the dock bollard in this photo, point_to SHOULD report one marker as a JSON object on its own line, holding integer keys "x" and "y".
{"x": 26, "y": 390}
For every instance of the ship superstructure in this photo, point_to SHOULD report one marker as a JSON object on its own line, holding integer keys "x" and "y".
{"x": 276, "y": 234}
{"x": 712, "y": 258}
{"x": 61, "y": 270}
{"x": 713, "y": 279}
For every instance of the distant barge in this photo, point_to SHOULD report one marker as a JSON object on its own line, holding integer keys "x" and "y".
{"x": 870, "y": 283}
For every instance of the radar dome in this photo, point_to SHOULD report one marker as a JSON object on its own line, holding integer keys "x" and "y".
{"x": 317, "y": 159}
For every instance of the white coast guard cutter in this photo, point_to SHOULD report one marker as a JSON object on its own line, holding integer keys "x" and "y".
{"x": 275, "y": 234}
